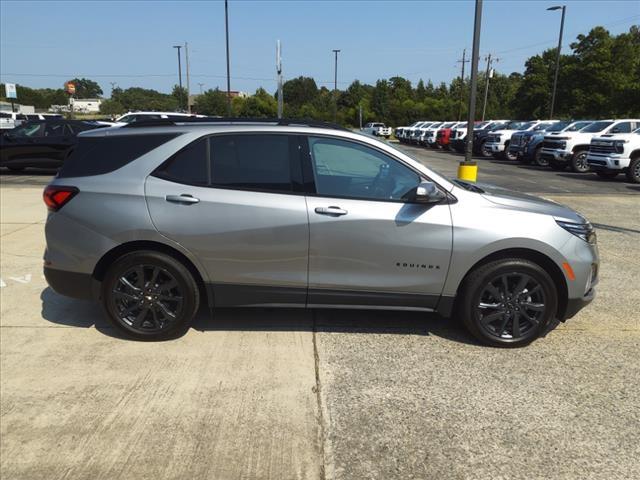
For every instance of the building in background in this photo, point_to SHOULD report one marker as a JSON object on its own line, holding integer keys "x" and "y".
{"x": 86, "y": 105}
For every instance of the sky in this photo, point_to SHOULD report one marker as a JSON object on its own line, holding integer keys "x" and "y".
{"x": 44, "y": 43}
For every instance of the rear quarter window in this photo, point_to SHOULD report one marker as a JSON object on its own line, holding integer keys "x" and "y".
{"x": 100, "y": 155}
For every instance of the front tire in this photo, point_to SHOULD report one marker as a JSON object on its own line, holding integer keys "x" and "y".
{"x": 538, "y": 159}
{"x": 508, "y": 302}
{"x": 148, "y": 295}
{"x": 484, "y": 151}
{"x": 579, "y": 162}
{"x": 633, "y": 172}
{"x": 508, "y": 155}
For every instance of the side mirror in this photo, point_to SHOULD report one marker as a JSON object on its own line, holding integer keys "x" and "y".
{"x": 426, "y": 192}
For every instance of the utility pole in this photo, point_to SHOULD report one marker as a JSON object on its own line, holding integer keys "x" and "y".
{"x": 474, "y": 81}
{"x": 555, "y": 77}
{"x": 186, "y": 55}
{"x": 279, "y": 72}
{"x": 200, "y": 85}
{"x": 486, "y": 86}
{"x": 226, "y": 28}
{"x": 335, "y": 88}
{"x": 463, "y": 61}
{"x": 179, "y": 69}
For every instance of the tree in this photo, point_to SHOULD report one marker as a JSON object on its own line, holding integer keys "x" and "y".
{"x": 112, "y": 107}
{"x": 86, "y": 88}
{"x": 212, "y": 102}
{"x": 180, "y": 94}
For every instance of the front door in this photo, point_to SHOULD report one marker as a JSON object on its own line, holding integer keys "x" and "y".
{"x": 233, "y": 202}
{"x": 368, "y": 246}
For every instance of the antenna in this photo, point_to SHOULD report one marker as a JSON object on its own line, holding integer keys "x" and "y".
{"x": 279, "y": 72}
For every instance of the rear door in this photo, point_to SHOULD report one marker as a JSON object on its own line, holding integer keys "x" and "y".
{"x": 369, "y": 246}
{"x": 235, "y": 201}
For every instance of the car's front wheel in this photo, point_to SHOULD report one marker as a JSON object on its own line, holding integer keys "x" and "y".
{"x": 633, "y": 172}
{"x": 579, "y": 162}
{"x": 508, "y": 302}
{"x": 485, "y": 151}
{"x": 148, "y": 295}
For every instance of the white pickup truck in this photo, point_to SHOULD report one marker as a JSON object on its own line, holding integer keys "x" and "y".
{"x": 570, "y": 148}
{"x": 498, "y": 141}
{"x": 377, "y": 130}
{"x": 610, "y": 155}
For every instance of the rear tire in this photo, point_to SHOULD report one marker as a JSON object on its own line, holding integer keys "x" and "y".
{"x": 633, "y": 172}
{"x": 508, "y": 302}
{"x": 148, "y": 295}
{"x": 579, "y": 162}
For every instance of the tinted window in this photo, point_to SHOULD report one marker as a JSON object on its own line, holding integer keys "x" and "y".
{"x": 189, "y": 165}
{"x": 623, "y": 127}
{"x": 348, "y": 169}
{"x": 98, "y": 155}
{"x": 29, "y": 130}
{"x": 54, "y": 130}
{"x": 257, "y": 162}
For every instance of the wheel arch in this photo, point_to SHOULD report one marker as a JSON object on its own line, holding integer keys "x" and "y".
{"x": 634, "y": 154}
{"x": 112, "y": 255}
{"x": 535, "y": 256}
{"x": 580, "y": 148}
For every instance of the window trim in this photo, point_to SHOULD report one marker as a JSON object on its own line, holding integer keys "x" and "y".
{"x": 298, "y": 186}
{"x": 309, "y": 177}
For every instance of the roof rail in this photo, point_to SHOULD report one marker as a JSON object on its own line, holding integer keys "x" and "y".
{"x": 235, "y": 120}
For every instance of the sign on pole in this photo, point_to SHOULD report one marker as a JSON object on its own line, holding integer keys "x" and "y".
{"x": 10, "y": 88}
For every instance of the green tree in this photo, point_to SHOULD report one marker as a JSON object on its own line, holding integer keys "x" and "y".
{"x": 112, "y": 107}
{"x": 180, "y": 94}
{"x": 212, "y": 102}
{"x": 86, "y": 88}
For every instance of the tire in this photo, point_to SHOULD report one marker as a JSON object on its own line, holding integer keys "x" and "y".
{"x": 607, "y": 175}
{"x": 538, "y": 159}
{"x": 558, "y": 165}
{"x": 633, "y": 171}
{"x": 158, "y": 313}
{"x": 483, "y": 150}
{"x": 518, "y": 320}
{"x": 579, "y": 162}
{"x": 508, "y": 155}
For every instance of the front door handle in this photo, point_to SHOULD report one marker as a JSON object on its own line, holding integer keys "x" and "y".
{"x": 184, "y": 198}
{"x": 333, "y": 211}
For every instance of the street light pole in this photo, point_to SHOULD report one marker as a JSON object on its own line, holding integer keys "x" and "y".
{"x": 226, "y": 28}
{"x": 200, "y": 85}
{"x": 474, "y": 81}
{"x": 179, "y": 69}
{"x": 555, "y": 77}
{"x": 335, "y": 88}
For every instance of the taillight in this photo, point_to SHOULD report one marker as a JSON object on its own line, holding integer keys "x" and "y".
{"x": 56, "y": 197}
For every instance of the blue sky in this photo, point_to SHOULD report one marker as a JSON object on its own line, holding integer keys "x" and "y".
{"x": 42, "y": 44}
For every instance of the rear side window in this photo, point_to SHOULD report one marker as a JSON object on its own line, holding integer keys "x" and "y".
{"x": 99, "y": 155}
{"x": 259, "y": 162}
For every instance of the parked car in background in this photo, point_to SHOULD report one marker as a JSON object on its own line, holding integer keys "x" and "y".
{"x": 480, "y": 137}
{"x": 617, "y": 153}
{"x": 133, "y": 117}
{"x": 499, "y": 141}
{"x": 10, "y": 120}
{"x": 409, "y": 132}
{"x": 401, "y": 132}
{"x": 352, "y": 222}
{"x": 442, "y": 135}
{"x": 528, "y": 147}
{"x": 562, "y": 149}
{"x": 517, "y": 138}
{"x": 428, "y": 134}
{"x": 377, "y": 130}
{"x": 458, "y": 135}
{"x": 42, "y": 144}
{"x": 416, "y": 132}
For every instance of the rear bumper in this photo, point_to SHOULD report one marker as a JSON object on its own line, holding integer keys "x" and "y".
{"x": 72, "y": 284}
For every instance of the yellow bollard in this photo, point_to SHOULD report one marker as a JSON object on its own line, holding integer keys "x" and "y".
{"x": 468, "y": 171}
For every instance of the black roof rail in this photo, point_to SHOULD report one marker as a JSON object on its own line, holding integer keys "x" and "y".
{"x": 235, "y": 120}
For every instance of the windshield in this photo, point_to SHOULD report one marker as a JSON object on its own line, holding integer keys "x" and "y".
{"x": 557, "y": 127}
{"x": 596, "y": 127}
{"x": 436, "y": 125}
{"x": 125, "y": 119}
{"x": 543, "y": 126}
{"x": 574, "y": 127}
{"x": 448, "y": 125}
{"x": 499, "y": 126}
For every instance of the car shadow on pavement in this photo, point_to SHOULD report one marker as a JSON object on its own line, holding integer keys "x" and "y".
{"x": 71, "y": 312}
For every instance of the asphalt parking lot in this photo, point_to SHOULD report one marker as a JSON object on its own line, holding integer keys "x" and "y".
{"x": 338, "y": 394}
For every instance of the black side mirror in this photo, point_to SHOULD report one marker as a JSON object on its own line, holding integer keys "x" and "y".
{"x": 426, "y": 192}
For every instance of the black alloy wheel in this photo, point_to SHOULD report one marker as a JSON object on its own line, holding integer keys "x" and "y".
{"x": 150, "y": 296}
{"x": 579, "y": 162}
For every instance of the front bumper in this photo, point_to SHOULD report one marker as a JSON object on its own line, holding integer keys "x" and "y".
{"x": 557, "y": 155}
{"x": 495, "y": 147}
{"x": 607, "y": 162}
{"x": 574, "y": 305}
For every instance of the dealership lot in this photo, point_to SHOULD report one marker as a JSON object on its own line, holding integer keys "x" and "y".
{"x": 322, "y": 394}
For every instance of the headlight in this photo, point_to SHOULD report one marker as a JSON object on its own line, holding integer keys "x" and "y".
{"x": 619, "y": 145}
{"x": 583, "y": 230}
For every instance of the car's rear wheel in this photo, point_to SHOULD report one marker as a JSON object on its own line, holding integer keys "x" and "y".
{"x": 607, "y": 175}
{"x": 150, "y": 296}
{"x": 508, "y": 302}
{"x": 633, "y": 172}
{"x": 579, "y": 162}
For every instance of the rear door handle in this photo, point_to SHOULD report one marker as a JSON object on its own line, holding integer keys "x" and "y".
{"x": 333, "y": 211}
{"x": 184, "y": 198}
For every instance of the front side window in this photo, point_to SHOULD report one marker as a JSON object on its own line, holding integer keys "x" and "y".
{"x": 622, "y": 127}
{"x": 348, "y": 169}
{"x": 596, "y": 127}
{"x": 29, "y": 130}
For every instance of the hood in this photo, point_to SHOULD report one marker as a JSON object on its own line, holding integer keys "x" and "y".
{"x": 529, "y": 203}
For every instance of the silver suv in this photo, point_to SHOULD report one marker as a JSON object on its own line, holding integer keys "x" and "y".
{"x": 153, "y": 221}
